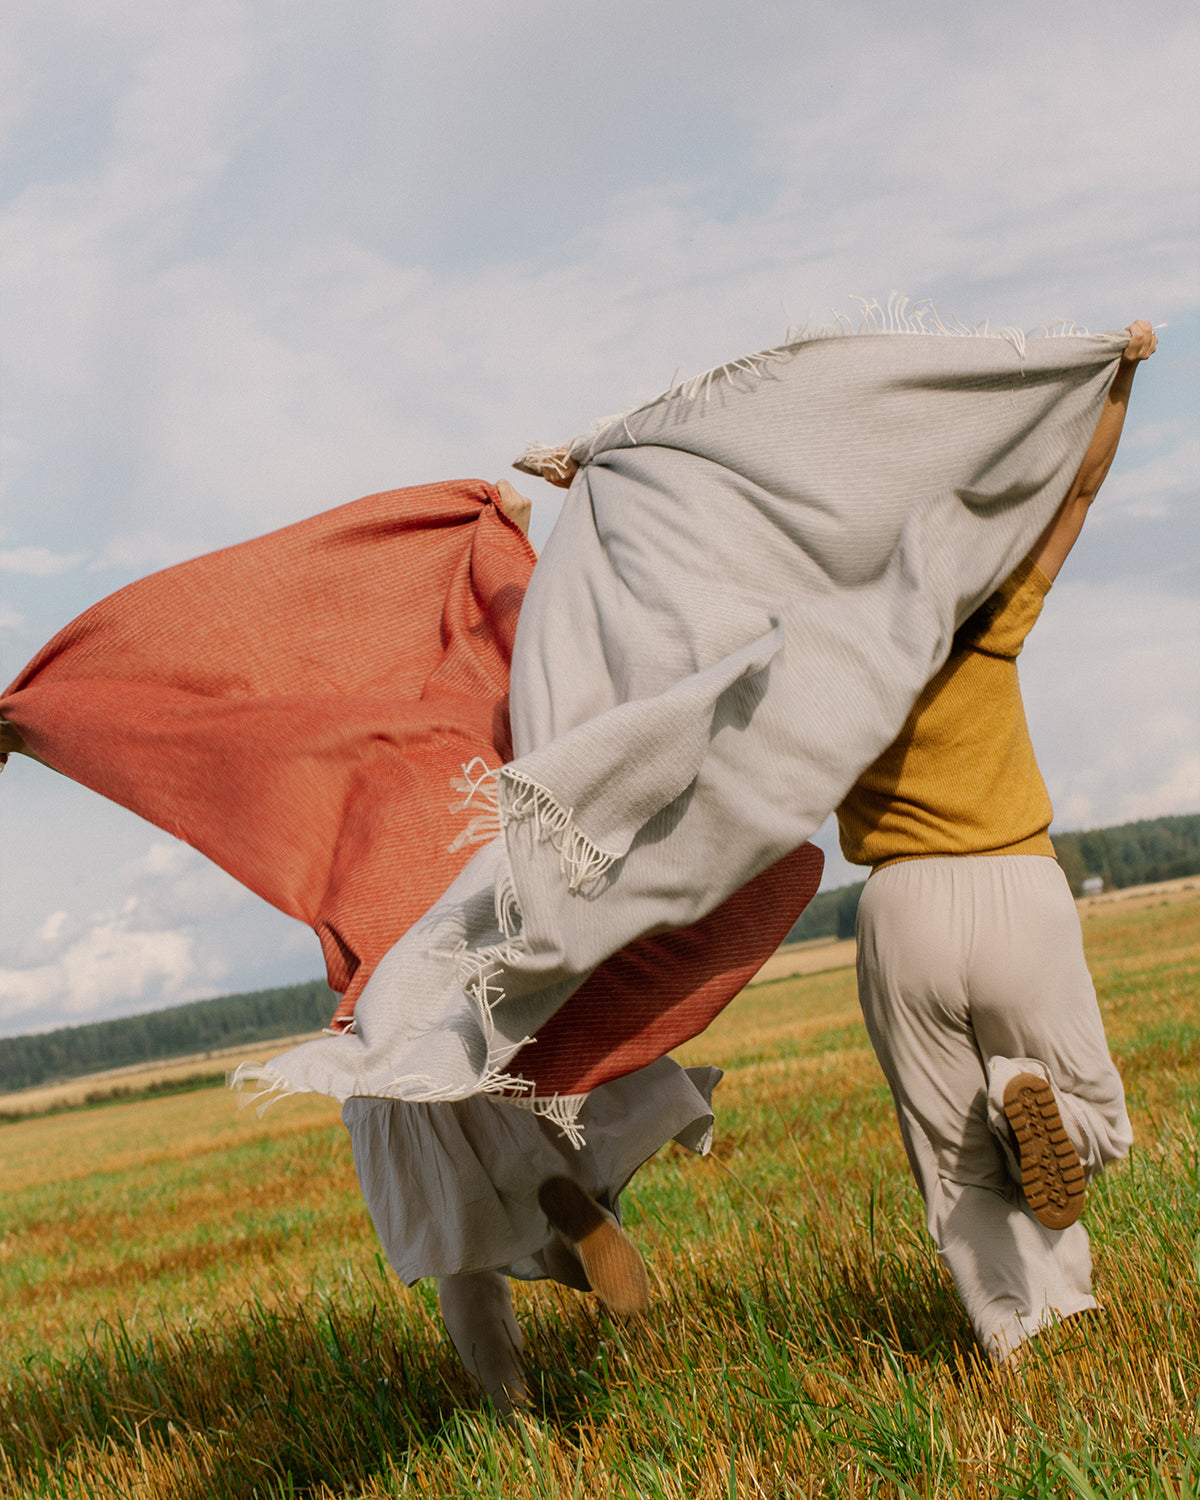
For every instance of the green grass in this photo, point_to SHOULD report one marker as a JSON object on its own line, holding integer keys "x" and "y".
{"x": 195, "y": 1305}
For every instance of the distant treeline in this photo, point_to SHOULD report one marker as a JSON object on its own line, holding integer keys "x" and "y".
{"x": 1130, "y": 854}
{"x": 182, "y": 1031}
{"x": 829, "y": 914}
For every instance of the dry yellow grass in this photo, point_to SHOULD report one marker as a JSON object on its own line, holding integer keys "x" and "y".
{"x": 804, "y": 1339}
{"x": 178, "y": 1202}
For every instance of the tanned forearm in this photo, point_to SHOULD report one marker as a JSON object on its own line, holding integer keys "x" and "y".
{"x": 1060, "y": 536}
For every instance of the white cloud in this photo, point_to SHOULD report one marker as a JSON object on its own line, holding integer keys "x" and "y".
{"x": 1160, "y": 486}
{"x": 145, "y": 551}
{"x": 51, "y": 929}
{"x": 38, "y": 562}
{"x": 1178, "y": 792}
{"x": 1111, "y": 679}
{"x": 260, "y": 371}
{"x": 145, "y": 944}
{"x": 111, "y": 962}
{"x": 171, "y": 884}
{"x": 167, "y": 933}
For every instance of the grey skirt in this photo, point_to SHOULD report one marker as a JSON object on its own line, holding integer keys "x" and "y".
{"x": 452, "y": 1187}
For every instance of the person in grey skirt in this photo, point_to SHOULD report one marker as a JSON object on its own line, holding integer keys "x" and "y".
{"x": 971, "y": 970}
{"x": 486, "y": 1220}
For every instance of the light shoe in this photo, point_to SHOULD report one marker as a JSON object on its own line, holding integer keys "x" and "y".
{"x": 608, "y": 1256}
{"x": 1051, "y": 1172}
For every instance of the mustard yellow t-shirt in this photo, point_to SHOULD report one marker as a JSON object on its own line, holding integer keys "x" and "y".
{"x": 961, "y": 777}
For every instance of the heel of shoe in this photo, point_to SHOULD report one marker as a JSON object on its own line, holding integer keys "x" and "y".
{"x": 609, "y": 1257}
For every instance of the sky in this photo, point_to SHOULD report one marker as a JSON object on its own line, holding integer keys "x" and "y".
{"x": 262, "y": 258}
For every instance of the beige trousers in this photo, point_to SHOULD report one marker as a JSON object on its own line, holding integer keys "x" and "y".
{"x": 971, "y": 969}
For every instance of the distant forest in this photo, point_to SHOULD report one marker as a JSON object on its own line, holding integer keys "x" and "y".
{"x": 183, "y": 1031}
{"x": 1131, "y": 854}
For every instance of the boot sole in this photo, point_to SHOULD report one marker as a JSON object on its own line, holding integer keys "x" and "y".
{"x": 1051, "y": 1173}
{"x": 609, "y": 1257}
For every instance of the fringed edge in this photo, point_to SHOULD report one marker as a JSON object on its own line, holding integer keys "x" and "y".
{"x": 507, "y": 906}
{"x": 276, "y": 1087}
{"x": 899, "y": 315}
{"x": 477, "y": 784}
{"x": 478, "y": 971}
{"x": 554, "y": 464}
{"x": 523, "y": 800}
{"x": 562, "y": 1110}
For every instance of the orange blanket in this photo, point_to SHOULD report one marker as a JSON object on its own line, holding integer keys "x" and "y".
{"x": 300, "y": 707}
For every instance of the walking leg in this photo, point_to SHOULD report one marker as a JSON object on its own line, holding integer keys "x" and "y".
{"x": 478, "y": 1313}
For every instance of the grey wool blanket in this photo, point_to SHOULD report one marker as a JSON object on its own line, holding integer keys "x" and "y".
{"x": 752, "y": 579}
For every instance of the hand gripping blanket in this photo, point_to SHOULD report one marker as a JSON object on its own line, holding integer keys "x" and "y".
{"x": 313, "y": 711}
{"x": 751, "y": 581}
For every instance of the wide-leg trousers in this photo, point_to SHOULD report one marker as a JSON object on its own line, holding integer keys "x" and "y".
{"x": 971, "y": 969}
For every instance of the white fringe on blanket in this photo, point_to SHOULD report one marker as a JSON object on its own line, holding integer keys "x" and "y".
{"x": 478, "y": 970}
{"x": 478, "y": 782}
{"x": 511, "y": 798}
{"x": 899, "y": 315}
{"x": 524, "y": 801}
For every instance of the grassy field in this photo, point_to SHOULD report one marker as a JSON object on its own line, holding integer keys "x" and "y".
{"x": 193, "y": 1304}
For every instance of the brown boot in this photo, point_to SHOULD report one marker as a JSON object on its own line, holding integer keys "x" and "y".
{"x": 610, "y": 1258}
{"x": 1051, "y": 1172}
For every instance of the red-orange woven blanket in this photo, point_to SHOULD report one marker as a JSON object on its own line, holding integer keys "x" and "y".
{"x": 300, "y": 707}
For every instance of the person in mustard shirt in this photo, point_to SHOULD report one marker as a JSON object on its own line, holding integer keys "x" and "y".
{"x": 971, "y": 972}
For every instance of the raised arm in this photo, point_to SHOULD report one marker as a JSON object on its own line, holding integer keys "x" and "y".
{"x": 1060, "y": 536}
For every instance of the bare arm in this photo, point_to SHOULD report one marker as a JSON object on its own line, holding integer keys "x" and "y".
{"x": 1060, "y": 536}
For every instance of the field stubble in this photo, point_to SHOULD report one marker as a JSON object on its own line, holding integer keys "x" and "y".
{"x": 195, "y": 1305}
